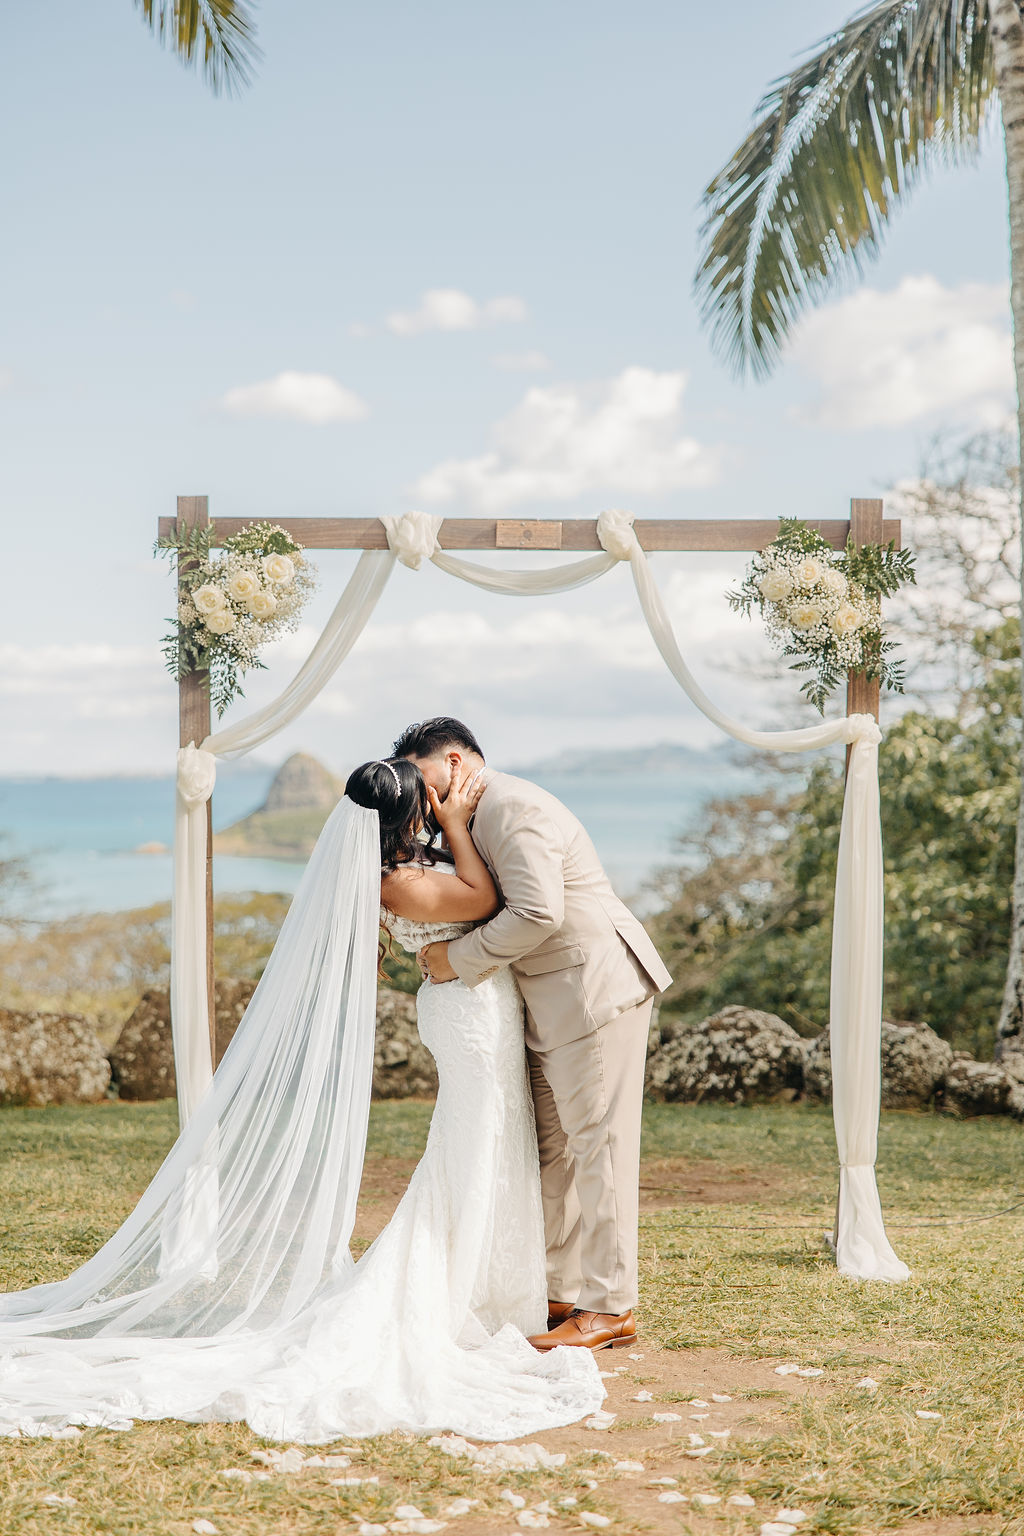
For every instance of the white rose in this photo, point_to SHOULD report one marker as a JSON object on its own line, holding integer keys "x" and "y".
{"x": 809, "y": 572}
{"x": 209, "y": 599}
{"x": 804, "y": 615}
{"x": 278, "y": 568}
{"x": 845, "y": 620}
{"x": 220, "y": 622}
{"x": 775, "y": 586}
{"x": 242, "y": 585}
{"x": 262, "y": 604}
{"x": 834, "y": 582}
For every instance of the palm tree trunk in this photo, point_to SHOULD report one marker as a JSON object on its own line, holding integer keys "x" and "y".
{"x": 1007, "y": 31}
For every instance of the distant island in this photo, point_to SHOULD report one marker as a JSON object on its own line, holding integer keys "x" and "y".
{"x": 663, "y": 757}
{"x": 301, "y": 797}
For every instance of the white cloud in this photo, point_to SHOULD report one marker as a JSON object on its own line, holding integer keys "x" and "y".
{"x": 564, "y": 440}
{"x": 522, "y": 362}
{"x": 885, "y": 359}
{"x": 292, "y": 396}
{"x": 449, "y": 309}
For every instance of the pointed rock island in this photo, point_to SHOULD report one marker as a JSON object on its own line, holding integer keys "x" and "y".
{"x": 288, "y": 823}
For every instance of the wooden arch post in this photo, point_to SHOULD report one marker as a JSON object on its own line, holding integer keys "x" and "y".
{"x": 866, "y": 524}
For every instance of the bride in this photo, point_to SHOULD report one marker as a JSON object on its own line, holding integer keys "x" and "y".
{"x": 230, "y": 1292}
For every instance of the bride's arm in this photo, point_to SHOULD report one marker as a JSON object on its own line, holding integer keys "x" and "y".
{"x": 426, "y": 895}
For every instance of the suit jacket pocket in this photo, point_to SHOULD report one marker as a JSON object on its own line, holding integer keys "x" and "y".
{"x": 540, "y": 962}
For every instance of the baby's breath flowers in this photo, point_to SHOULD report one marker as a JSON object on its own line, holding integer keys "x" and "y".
{"x": 232, "y": 603}
{"x": 824, "y": 607}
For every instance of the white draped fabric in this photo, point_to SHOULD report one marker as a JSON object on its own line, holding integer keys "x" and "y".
{"x": 863, "y": 1250}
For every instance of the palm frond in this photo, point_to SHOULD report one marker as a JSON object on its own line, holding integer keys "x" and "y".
{"x": 835, "y": 145}
{"x": 219, "y": 33}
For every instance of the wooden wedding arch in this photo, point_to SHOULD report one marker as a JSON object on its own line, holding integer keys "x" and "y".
{"x": 866, "y": 525}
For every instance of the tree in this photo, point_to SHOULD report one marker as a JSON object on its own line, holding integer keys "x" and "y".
{"x": 836, "y": 145}
{"x": 218, "y": 34}
{"x": 748, "y": 915}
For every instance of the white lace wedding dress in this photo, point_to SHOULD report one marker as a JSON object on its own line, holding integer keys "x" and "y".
{"x": 230, "y": 1294}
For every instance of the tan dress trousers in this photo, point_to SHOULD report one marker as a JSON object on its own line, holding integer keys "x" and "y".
{"x": 588, "y": 1096}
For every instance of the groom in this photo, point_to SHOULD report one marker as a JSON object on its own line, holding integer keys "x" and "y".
{"x": 588, "y": 973}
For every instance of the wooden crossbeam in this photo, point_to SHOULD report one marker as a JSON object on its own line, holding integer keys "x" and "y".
{"x": 729, "y": 534}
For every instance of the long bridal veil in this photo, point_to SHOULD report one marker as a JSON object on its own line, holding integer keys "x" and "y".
{"x": 250, "y": 1215}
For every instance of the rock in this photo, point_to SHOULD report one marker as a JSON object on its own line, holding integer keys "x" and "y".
{"x": 50, "y": 1058}
{"x": 914, "y": 1064}
{"x": 403, "y": 1068}
{"x": 981, "y": 1088}
{"x": 143, "y": 1057}
{"x": 288, "y": 823}
{"x": 1012, "y": 1060}
{"x": 739, "y": 1054}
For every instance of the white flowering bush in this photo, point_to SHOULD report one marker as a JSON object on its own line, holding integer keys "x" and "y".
{"x": 824, "y": 606}
{"x": 232, "y": 602}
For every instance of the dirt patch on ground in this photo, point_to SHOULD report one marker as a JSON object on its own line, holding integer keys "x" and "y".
{"x": 666, "y": 1184}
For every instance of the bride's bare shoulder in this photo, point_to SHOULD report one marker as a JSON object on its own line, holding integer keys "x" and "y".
{"x": 417, "y": 891}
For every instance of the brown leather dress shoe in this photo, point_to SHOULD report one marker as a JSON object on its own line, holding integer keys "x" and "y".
{"x": 589, "y": 1330}
{"x": 558, "y": 1311}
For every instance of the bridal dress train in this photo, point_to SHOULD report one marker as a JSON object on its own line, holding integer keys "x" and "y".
{"x": 230, "y": 1293}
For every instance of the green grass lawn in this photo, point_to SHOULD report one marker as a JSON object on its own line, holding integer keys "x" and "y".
{"x": 733, "y": 1260}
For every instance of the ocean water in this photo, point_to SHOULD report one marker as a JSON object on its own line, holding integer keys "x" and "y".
{"x": 80, "y": 835}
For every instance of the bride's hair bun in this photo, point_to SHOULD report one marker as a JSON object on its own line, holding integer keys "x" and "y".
{"x": 395, "y": 789}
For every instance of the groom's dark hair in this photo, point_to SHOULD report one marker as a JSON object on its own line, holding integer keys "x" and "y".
{"x": 437, "y": 735}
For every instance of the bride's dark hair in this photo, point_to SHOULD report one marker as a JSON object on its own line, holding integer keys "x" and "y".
{"x": 396, "y": 790}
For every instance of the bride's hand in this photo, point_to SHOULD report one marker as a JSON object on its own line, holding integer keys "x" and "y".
{"x": 462, "y": 800}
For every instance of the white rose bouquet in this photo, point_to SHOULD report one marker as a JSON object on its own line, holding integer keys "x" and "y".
{"x": 233, "y": 602}
{"x": 824, "y": 606}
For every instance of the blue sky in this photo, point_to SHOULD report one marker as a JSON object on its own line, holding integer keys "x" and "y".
{"x": 170, "y": 255}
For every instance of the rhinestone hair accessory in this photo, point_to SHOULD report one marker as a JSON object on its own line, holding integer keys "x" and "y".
{"x": 394, "y": 774}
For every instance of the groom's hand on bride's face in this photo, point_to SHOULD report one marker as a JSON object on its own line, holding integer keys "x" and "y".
{"x": 433, "y": 959}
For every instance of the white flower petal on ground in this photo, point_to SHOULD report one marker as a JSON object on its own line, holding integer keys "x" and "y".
{"x": 328, "y": 1461}
{"x": 777, "y": 1528}
{"x": 698, "y": 1450}
{"x": 868, "y": 1384}
{"x": 719, "y": 1434}
{"x": 367, "y": 1528}
{"x": 791, "y": 1516}
{"x": 600, "y": 1420}
{"x": 789, "y": 1369}
{"x": 597, "y": 1521}
{"x": 421, "y": 1527}
{"x": 671, "y": 1498}
{"x": 698, "y": 1402}
{"x": 64, "y": 1500}
{"x": 663, "y": 1482}
{"x": 290, "y": 1460}
{"x": 697, "y": 1440}
{"x": 699, "y": 1417}
{"x": 636, "y": 1357}
{"x": 459, "y": 1507}
{"x": 720, "y": 1397}
{"x": 643, "y": 1397}
{"x": 927, "y": 1413}
{"x": 707, "y": 1499}
{"x": 204, "y": 1528}
{"x": 741, "y": 1500}
{"x": 410, "y": 1512}
{"x": 500, "y": 1457}
{"x": 532, "y": 1520}
{"x": 515, "y": 1499}
{"x": 811, "y": 1370}
{"x": 628, "y": 1466}
{"x": 667, "y": 1418}
{"x": 603, "y": 1455}
{"x": 569, "y": 1502}
{"x": 591, "y": 1483}
{"x": 351, "y": 1482}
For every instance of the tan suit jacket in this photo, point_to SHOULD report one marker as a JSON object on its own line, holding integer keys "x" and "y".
{"x": 580, "y": 956}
